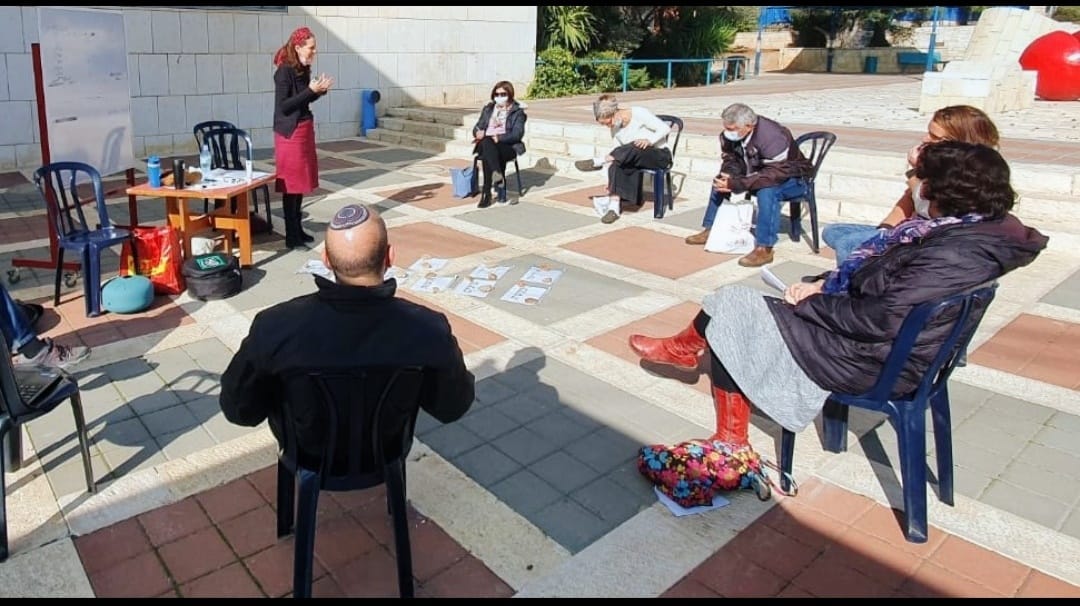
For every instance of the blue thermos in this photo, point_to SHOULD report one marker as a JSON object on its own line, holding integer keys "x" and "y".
{"x": 153, "y": 171}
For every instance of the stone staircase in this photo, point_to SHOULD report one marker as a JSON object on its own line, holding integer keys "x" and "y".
{"x": 854, "y": 184}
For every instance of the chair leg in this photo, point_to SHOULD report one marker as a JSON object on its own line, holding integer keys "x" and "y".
{"x": 286, "y": 491}
{"x": 304, "y": 547}
{"x": 92, "y": 282}
{"x": 5, "y": 426}
{"x": 814, "y": 224}
{"x": 795, "y": 211}
{"x": 834, "y": 417}
{"x": 84, "y": 441}
{"x": 911, "y": 438}
{"x": 659, "y": 197}
{"x": 395, "y": 488}
{"x": 517, "y": 174}
{"x": 59, "y": 274}
{"x": 670, "y": 184}
{"x": 942, "y": 419}
{"x": 787, "y": 459}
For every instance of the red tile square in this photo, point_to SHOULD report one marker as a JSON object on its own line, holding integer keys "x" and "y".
{"x": 650, "y": 251}
{"x": 233, "y": 581}
{"x": 265, "y": 482}
{"x": 347, "y": 145}
{"x": 761, "y": 543}
{"x": 332, "y": 163}
{"x": 468, "y": 578}
{"x": 734, "y": 576}
{"x": 829, "y": 577}
{"x": 195, "y": 555}
{"x": 885, "y": 524}
{"x": 142, "y": 576}
{"x": 931, "y": 581}
{"x": 1034, "y": 347}
{"x": 429, "y": 196}
{"x": 108, "y": 546}
{"x": 230, "y": 500}
{"x": 371, "y": 576}
{"x": 169, "y": 523}
{"x": 252, "y": 531}
{"x": 833, "y": 501}
{"x": 415, "y": 240}
{"x": 340, "y": 540}
{"x": 689, "y": 588}
{"x": 582, "y": 197}
{"x": 872, "y": 557}
{"x": 273, "y": 568}
{"x": 1041, "y": 585}
{"x": 988, "y": 568}
{"x": 12, "y": 179}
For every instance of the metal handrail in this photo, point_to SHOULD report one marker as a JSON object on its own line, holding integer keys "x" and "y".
{"x": 627, "y": 62}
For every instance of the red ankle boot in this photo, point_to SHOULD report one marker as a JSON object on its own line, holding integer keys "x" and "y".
{"x": 681, "y": 350}
{"x": 732, "y": 417}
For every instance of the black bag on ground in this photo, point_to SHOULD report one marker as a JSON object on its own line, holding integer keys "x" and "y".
{"x": 213, "y": 276}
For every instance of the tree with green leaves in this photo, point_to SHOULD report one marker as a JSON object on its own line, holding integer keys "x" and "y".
{"x": 571, "y": 27}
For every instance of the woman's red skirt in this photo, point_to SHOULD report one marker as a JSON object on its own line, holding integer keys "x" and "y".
{"x": 295, "y": 160}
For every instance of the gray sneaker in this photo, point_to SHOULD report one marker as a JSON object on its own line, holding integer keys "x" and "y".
{"x": 55, "y": 355}
{"x": 609, "y": 217}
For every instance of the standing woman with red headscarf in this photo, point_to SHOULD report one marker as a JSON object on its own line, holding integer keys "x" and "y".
{"x": 294, "y": 128}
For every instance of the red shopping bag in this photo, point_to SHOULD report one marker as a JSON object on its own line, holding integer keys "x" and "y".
{"x": 160, "y": 258}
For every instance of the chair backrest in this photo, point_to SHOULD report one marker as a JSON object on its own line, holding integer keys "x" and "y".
{"x": 676, "y": 124}
{"x": 963, "y": 311}
{"x": 225, "y": 147}
{"x": 62, "y": 185}
{"x": 11, "y": 405}
{"x": 200, "y": 129}
{"x": 820, "y": 141}
{"x": 363, "y": 418}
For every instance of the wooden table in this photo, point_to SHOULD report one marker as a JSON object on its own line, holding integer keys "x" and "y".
{"x": 188, "y": 223}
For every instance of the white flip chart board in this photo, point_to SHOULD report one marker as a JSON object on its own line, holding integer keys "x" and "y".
{"x": 87, "y": 97}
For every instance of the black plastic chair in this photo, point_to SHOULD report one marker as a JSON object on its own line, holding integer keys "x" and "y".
{"x": 663, "y": 187}
{"x": 14, "y": 411}
{"x": 820, "y": 142}
{"x": 224, "y": 139}
{"x": 364, "y": 423}
{"x": 501, "y": 190}
{"x": 59, "y": 184}
{"x": 907, "y": 413}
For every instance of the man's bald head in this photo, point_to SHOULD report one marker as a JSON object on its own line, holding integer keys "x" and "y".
{"x": 356, "y": 245}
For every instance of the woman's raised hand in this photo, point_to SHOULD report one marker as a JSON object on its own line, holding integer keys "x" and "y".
{"x": 322, "y": 83}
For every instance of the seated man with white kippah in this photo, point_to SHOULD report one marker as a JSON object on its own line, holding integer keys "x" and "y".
{"x": 352, "y": 321}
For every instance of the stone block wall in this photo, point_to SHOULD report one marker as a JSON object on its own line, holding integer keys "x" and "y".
{"x": 190, "y": 65}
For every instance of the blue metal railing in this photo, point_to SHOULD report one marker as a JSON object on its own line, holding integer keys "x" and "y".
{"x": 627, "y": 62}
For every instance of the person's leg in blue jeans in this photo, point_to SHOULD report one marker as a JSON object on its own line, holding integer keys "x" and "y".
{"x": 24, "y": 343}
{"x": 846, "y": 237}
{"x": 715, "y": 200}
{"x": 768, "y": 219}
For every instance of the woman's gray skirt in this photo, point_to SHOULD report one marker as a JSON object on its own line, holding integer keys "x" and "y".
{"x": 746, "y": 338}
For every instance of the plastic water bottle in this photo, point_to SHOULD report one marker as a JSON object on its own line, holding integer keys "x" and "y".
{"x": 153, "y": 171}
{"x": 205, "y": 159}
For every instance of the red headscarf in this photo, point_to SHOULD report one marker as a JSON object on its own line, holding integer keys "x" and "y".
{"x": 299, "y": 36}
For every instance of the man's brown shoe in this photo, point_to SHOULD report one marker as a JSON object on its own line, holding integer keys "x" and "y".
{"x": 761, "y": 255}
{"x": 699, "y": 238}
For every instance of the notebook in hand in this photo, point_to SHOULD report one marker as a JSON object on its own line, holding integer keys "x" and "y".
{"x": 35, "y": 381}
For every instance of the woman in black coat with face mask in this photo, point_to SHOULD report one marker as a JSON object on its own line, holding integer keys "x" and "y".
{"x": 498, "y": 136}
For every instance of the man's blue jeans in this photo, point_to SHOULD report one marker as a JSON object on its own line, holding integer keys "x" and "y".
{"x": 768, "y": 208}
{"x": 13, "y": 323}
{"x": 846, "y": 237}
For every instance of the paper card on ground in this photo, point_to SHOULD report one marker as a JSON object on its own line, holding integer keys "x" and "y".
{"x": 475, "y": 288}
{"x": 433, "y": 283}
{"x": 427, "y": 264}
{"x": 316, "y": 267}
{"x": 772, "y": 279}
{"x": 524, "y": 294}
{"x": 397, "y": 273}
{"x": 542, "y": 274}
{"x": 717, "y": 502}
{"x": 484, "y": 272}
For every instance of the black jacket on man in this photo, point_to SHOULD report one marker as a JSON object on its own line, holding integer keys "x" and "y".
{"x": 515, "y": 125}
{"x": 342, "y": 327}
{"x": 292, "y": 98}
{"x": 841, "y": 341}
{"x": 767, "y": 158}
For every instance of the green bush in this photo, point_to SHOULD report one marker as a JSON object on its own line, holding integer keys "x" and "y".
{"x": 1067, "y": 14}
{"x": 556, "y": 75}
{"x": 602, "y": 77}
{"x": 638, "y": 79}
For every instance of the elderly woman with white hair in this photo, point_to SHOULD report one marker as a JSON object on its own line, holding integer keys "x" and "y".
{"x": 641, "y": 143}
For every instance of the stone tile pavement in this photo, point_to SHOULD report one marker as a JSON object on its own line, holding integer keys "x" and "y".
{"x": 534, "y": 492}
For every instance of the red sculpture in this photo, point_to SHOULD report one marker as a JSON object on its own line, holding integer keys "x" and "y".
{"x": 1056, "y": 58}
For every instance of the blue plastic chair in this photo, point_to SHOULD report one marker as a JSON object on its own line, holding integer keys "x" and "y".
{"x": 907, "y": 413}
{"x": 663, "y": 188}
{"x": 15, "y": 410}
{"x": 820, "y": 142}
{"x": 224, "y": 139}
{"x": 365, "y": 422}
{"x": 59, "y": 184}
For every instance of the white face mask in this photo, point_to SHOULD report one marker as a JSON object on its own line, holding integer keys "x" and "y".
{"x": 501, "y": 100}
{"x": 922, "y": 205}
{"x": 732, "y": 135}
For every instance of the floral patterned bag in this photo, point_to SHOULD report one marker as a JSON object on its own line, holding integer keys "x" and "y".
{"x": 692, "y": 472}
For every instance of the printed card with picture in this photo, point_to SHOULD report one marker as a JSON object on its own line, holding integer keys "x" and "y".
{"x": 542, "y": 274}
{"x": 475, "y": 288}
{"x": 426, "y": 264}
{"x": 483, "y": 272}
{"x": 433, "y": 283}
{"x": 524, "y": 294}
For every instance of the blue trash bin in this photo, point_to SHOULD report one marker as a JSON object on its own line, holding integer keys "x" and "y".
{"x": 870, "y": 67}
{"x": 368, "y": 99}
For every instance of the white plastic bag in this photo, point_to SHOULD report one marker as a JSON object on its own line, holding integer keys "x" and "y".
{"x": 730, "y": 231}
